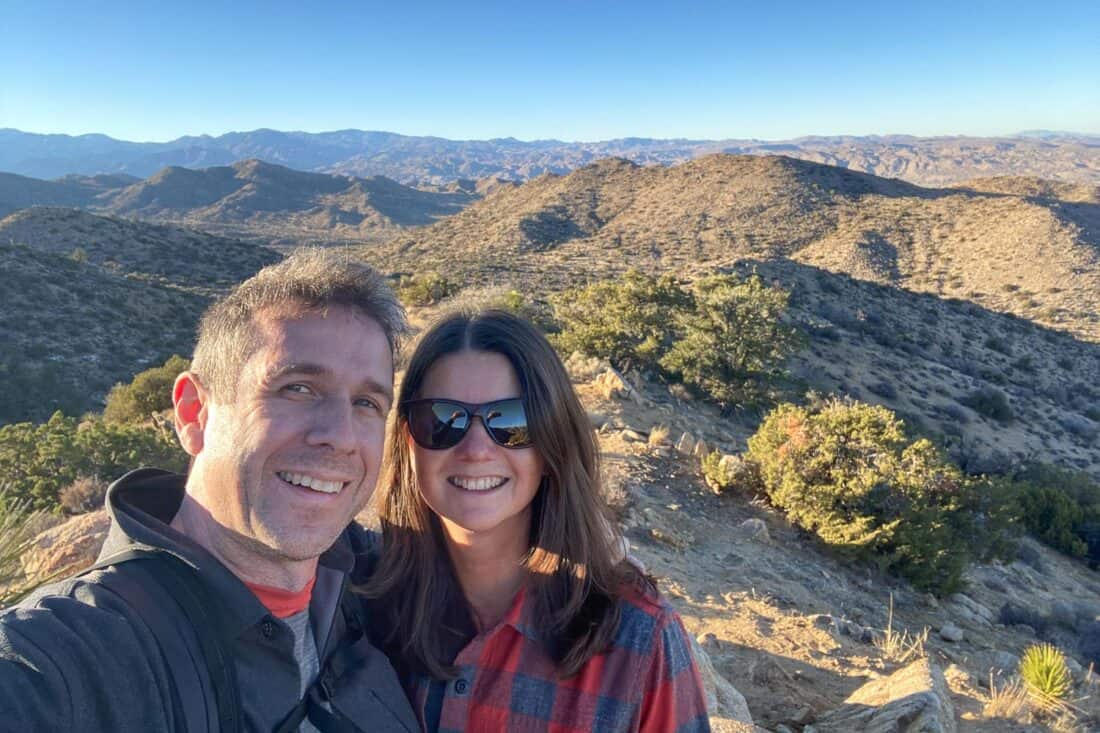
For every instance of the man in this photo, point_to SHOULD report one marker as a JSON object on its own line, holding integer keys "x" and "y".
{"x": 220, "y": 600}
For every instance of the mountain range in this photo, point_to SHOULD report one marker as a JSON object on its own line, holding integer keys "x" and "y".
{"x": 423, "y": 160}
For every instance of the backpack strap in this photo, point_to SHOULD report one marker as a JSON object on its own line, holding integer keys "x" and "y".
{"x": 344, "y": 657}
{"x": 183, "y": 585}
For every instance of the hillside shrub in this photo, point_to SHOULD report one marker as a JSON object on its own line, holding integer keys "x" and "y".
{"x": 86, "y": 494}
{"x": 629, "y": 322}
{"x": 425, "y": 289}
{"x": 990, "y": 402}
{"x": 1061, "y": 508}
{"x": 846, "y": 471}
{"x": 38, "y": 460}
{"x": 724, "y": 338}
{"x": 732, "y": 344}
{"x": 723, "y": 472}
{"x": 148, "y": 392}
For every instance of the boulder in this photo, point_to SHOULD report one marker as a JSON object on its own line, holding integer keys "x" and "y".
{"x": 726, "y": 706}
{"x": 951, "y": 632}
{"x": 752, "y": 530}
{"x": 67, "y": 548}
{"x": 912, "y": 700}
{"x": 686, "y": 444}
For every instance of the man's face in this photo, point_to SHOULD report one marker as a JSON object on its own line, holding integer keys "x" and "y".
{"x": 287, "y": 464}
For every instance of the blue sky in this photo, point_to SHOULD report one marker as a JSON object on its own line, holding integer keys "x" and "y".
{"x": 567, "y": 70}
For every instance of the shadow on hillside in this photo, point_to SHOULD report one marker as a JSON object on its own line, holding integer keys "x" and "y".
{"x": 926, "y": 357}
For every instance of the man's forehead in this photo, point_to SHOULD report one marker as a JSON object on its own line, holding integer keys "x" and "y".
{"x": 328, "y": 339}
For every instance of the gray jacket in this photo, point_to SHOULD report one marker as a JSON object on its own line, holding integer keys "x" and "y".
{"x": 76, "y": 657}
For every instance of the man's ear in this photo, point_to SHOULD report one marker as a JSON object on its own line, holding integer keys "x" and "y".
{"x": 189, "y": 400}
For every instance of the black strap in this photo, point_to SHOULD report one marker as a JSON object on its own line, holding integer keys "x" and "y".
{"x": 182, "y": 583}
{"x": 188, "y": 699}
{"x": 321, "y": 691}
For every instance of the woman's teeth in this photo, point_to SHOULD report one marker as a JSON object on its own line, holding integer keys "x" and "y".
{"x": 309, "y": 482}
{"x": 477, "y": 484}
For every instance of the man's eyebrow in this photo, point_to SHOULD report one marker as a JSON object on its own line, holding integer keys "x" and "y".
{"x": 312, "y": 370}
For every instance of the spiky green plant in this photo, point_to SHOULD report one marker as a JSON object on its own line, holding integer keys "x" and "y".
{"x": 18, "y": 523}
{"x": 1045, "y": 673}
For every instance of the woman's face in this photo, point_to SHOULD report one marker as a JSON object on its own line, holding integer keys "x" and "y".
{"x": 480, "y": 490}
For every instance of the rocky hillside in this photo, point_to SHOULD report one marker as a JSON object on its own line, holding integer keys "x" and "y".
{"x": 419, "y": 160}
{"x": 90, "y": 301}
{"x": 250, "y": 199}
{"x": 1014, "y": 253}
{"x": 253, "y": 194}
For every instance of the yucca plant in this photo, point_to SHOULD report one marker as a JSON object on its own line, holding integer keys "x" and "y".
{"x": 18, "y": 522}
{"x": 1045, "y": 673}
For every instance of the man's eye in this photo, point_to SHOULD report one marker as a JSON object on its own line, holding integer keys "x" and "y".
{"x": 368, "y": 403}
{"x": 297, "y": 389}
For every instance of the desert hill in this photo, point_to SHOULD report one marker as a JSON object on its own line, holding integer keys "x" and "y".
{"x": 1032, "y": 257}
{"x": 254, "y": 193}
{"x": 182, "y": 257}
{"x": 90, "y": 300}
{"x": 420, "y": 160}
{"x": 1030, "y": 187}
{"x": 249, "y": 198}
{"x": 20, "y": 192}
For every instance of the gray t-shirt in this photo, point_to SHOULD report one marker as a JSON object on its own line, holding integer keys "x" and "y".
{"x": 305, "y": 653}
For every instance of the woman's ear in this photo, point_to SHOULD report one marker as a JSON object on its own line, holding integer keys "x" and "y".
{"x": 189, "y": 403}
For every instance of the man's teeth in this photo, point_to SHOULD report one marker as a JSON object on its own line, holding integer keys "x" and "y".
{"x": 478, "y": 484}
{"x": 301, "y": 479}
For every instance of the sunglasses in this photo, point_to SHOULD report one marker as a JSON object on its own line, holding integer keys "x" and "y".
{"x": 438, "y": 424}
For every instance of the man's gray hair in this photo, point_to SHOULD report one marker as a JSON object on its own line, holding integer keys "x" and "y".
{"x": 310, "y": 279}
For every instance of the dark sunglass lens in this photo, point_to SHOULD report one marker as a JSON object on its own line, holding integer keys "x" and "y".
{"x": 508, "y": 424}
{"x": 438, "y": 425}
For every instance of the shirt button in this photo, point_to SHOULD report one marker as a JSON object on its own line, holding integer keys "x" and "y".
{"x": 267, "y": 628}
{"x": 461, "y": 686}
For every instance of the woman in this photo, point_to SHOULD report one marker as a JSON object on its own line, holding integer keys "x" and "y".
{"x": 504, "y": 598}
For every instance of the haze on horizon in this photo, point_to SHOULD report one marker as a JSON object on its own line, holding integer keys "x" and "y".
{"x": 566, "y": 71}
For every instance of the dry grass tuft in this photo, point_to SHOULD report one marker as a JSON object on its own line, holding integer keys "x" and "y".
{"x": 1011, "y": 701}
{"x": 900, "y": 647}
{"x": 658, "y": 436}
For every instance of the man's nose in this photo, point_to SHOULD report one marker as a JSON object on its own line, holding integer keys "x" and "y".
{"x": 334, "y": 425}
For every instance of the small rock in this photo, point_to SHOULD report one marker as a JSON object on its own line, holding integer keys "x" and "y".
{"x": 783, "y": 729}
{"x": 956, "y": 676}
{"x": 951, "y": 632}
{"x": 822, "y": 621}
{"x": 701, "y": 450}
{"x": 686, "y": 444}
{"x": 803, "y": 715}
{"x": 1075, "y": 668}
{"x": 1064, "y": 614}
{"x": 752, "y": 529}
{"x": 708, "y": 641}
{"x": 596, "y": 420}
{"x": 1005, "y": 661}
{"x": 632, "y": 435}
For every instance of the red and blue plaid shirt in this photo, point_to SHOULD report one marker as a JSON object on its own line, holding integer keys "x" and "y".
{"x": 645, "y": 681}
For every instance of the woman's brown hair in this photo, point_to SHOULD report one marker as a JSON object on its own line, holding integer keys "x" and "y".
{"x": 574, "y": 562}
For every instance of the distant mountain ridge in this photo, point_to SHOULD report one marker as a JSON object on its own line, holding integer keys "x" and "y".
{"x": 433, "y": 160}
